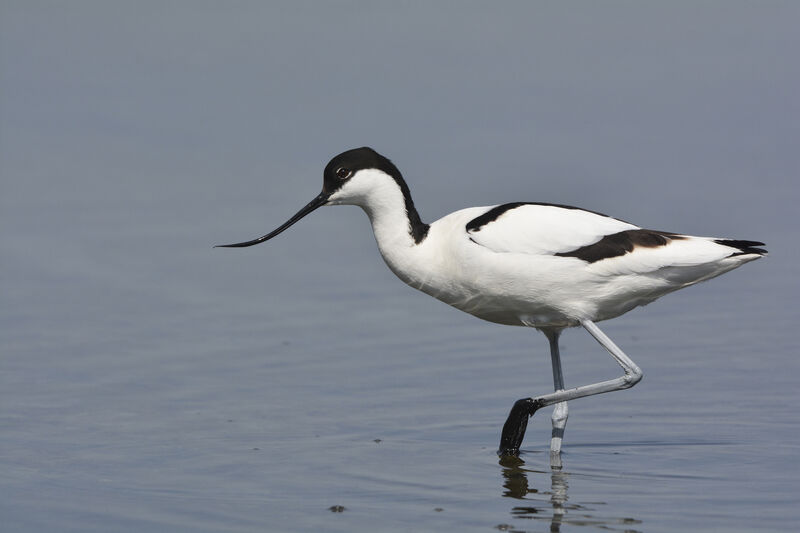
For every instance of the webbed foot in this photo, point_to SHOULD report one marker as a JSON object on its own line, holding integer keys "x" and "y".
{"x": 516, "y": 424}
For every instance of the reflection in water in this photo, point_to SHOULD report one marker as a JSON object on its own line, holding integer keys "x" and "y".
{"x": 551, "y": 505}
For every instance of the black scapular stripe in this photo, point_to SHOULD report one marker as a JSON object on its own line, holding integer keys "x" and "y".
{"x": 494, "y": 213}
{"x": 621, "y": 243}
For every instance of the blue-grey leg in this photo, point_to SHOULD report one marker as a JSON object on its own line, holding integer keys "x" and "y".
{"x": 561, "y": 411}
{"x": 517, "y": 422}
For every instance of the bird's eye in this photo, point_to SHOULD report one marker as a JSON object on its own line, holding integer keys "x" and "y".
{"x": 342, "y": 173}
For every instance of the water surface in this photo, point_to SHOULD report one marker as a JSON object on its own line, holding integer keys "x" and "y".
{"x": 151, "y": 383}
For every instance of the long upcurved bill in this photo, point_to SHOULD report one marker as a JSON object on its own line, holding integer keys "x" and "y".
{"x": 311, "y": 206}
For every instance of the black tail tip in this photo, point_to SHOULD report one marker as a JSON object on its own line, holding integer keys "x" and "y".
{"x": 744, "y": 247}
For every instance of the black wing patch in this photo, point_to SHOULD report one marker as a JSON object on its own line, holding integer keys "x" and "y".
{"x": 494, "y": 213}
{"x": 621, "y": 243}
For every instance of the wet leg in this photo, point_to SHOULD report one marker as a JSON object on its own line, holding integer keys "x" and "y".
{"x": 561, "y": 411}
{"x": 517, "y": 422}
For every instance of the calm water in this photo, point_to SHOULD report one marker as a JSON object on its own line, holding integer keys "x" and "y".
{"x": 188, "y": 389}
{"x": 151, "y": 383}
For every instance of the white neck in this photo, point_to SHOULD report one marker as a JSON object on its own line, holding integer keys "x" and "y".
{"x": 389, "y": 219}
{"x": 381, "y": 197}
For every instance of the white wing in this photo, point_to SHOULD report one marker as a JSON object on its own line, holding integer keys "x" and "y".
{"x": 605, "y": 245}
{"x": 542, "y": 229}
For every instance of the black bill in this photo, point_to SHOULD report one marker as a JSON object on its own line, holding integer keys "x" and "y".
{"x": 312, "y": 205}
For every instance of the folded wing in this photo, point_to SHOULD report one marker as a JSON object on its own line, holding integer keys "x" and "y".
{"x": 544, "y": 229}
{"x": 604, "y": 244}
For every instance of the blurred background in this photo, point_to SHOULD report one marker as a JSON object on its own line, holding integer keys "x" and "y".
{"x": 150, "y": 382}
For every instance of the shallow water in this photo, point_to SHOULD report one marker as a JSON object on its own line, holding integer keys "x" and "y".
{"x": 229, "y": 405}
{"x": 151, "y": 383}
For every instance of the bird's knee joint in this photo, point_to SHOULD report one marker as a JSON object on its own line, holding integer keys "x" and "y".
{"x": 632, "y": 377}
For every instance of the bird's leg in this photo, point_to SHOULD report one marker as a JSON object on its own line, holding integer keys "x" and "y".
{"x": 561, "y": 411}
{"x": 517, "y": 423}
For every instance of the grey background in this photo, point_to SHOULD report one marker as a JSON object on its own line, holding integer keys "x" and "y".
{"x": 149, "y": 382}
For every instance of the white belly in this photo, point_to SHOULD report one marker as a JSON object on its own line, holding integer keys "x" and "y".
{"x": 534, "y": 289}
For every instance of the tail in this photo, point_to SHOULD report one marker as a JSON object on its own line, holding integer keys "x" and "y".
{"x": 742, "y": 247}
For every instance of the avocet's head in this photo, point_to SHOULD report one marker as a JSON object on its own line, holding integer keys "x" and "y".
{"x": 352, "y": 176}
{"x": 349, "y": 178}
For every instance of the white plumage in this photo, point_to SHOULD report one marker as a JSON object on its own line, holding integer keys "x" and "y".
{"x": 545, "y": 229}
{"x": 507, "y": 272}
{"x": 526, "y": 264}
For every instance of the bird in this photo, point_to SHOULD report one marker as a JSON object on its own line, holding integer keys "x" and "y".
{"x": 533, "y": 264}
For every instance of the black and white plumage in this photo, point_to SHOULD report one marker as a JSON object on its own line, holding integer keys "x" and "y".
{"x": 540, "y": 265}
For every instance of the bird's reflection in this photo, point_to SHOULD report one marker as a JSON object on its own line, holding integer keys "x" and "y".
{"x": 550, "y": 505}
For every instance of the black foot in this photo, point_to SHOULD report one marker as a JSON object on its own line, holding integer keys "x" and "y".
{"x": 516, "y": 424}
